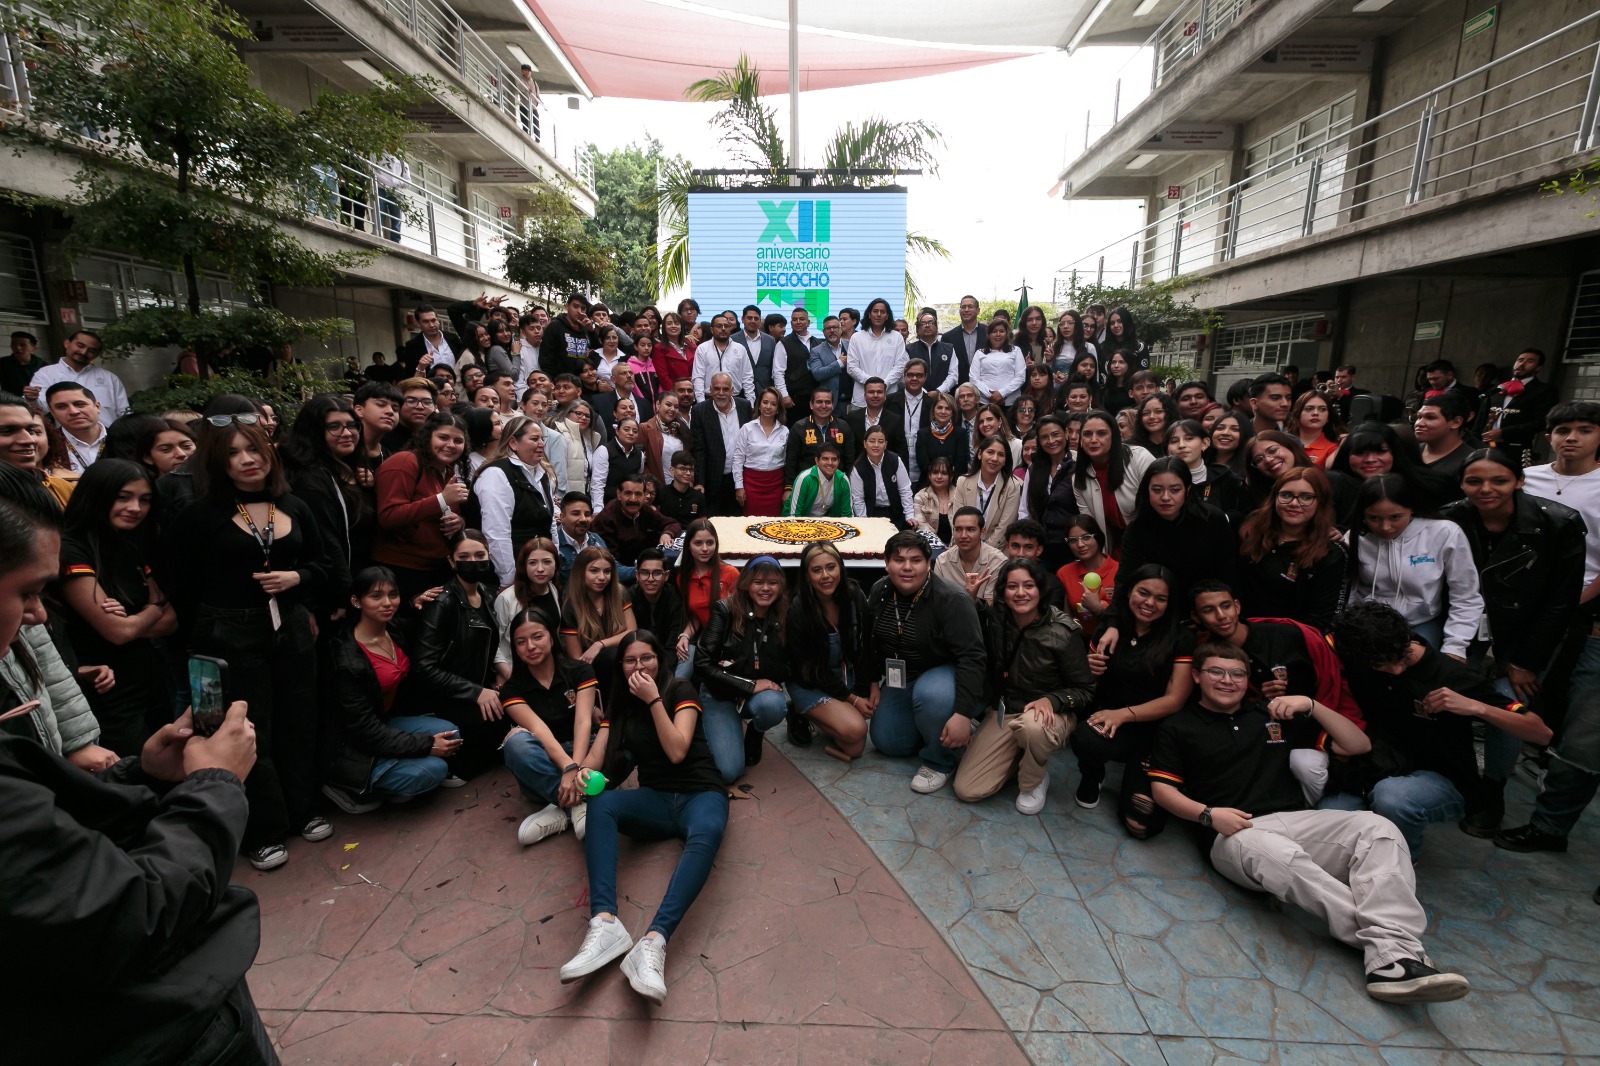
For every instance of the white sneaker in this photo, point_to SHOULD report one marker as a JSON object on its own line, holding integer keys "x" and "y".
{"x": 580, "y": 819}
{"x": 605, "y": 940}
{"x": 1032, "y": 801}
{"x": 645, "y": 968}
{"x": 928, "y": 780}
{"x": 546, "y": 823}
{"x": 452, "y": 782}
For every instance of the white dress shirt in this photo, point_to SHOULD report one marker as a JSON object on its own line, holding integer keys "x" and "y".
{"x": 756, "y": 449}
{"x": 496, "y": 501}
{"x": 729, "y": 421}
{"x": 858, "y": 491}
{"x": 1001, "y": 372}
{"x": 780, "y": 365}
{"x": 105, "y": 385}
{"x": 882, "y": 356}
{"x": 599, "y": 470}
{"x": 81, "y": 454}
{"x": 603, "y": 367}
{"x": 732, "y": 360}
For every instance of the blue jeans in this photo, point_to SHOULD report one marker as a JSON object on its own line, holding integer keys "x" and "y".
{"x": 697, "y": 818}
{"x": 530, "y": 764}
{"x": 389, "y": 214}
{"x": 720, "y": 720}
{"x": 1574, "y": 775}
{"x": 908, "y": 721}
{"x": 807, "y": 700}
{"x": 1431, "y": 632}
{"x": 684, "y": 671}
{"x": 404, "y": 778}
{"x": 1410, "y": 801}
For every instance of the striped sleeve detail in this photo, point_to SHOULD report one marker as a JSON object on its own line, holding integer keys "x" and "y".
{"x": 1183, "y": 660}
{"x": 1165, "y": 775}
{"x": 627, "y": 607}
{"x": 572, "y": 632}
{"x": 589, "y": 683}
{"x": 1517, "y": 708}
{"x": 681, "y": 704}
{"x": 507, "y": 704}
{"x": 1322, "y": 741}
{"x": 80, "y": 570}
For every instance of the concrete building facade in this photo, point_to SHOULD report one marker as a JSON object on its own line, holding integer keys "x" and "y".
{"x": 490, "y": 137}
{"x": 1360, "y": 182}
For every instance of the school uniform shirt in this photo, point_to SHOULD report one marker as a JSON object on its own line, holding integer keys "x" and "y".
{"x": 634, "y": 732}
{"x": 557, "y": 705}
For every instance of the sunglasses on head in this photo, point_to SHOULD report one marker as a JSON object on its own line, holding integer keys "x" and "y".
{"x": 223, "y": 420}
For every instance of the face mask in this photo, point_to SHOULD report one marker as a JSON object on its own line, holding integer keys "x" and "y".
{"x": 475, "y": 570}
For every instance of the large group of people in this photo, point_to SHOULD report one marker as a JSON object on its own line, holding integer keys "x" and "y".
{"x": 1286, "y": 619}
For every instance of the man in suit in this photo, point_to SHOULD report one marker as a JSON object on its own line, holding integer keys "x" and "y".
{"x": 760, "y": 346}
{"x": 965, "y": 338}
{"x": 790, "y": 373}
{"x": 712, "y": 427}
{"x": 910, "y": 410}
{"x": 943, "y": 365}
{"x": 1513, "y": 413}
{"x": 430, "y": 348}
{"x": 1346, "y": 389}
{"x": 876, "y": 393}
{"x": 1442, "y": 377}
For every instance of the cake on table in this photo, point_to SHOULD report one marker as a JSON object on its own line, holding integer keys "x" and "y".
{"x": 743, "y": 538}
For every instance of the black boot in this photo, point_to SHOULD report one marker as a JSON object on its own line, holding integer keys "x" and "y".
{"x": 752, "y": 745}
{"x": 1484, "y": 823}
{"x": 801, "y": 731}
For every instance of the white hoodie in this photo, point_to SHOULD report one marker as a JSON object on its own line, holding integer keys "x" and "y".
{"x": 1424, "y": 573}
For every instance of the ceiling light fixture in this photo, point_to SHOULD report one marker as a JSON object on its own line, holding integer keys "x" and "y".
{"x": 365, "y": 69}
{"x": 1366, "y": 6}
{"x": 1139, "y": 162}
{"x": 522, "y": 57}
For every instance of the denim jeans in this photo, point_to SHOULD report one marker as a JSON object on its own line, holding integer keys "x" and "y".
{"x": 274, "y": 671}
{"x": 684, "y": 671}
{"x": 404, "y": 778}
{"x": 908, "y": 721}
{"x": 1410, "y": 801}
{"x": 720, "y": 720}
{"x": 1500, "y": 749}
{"x": 697, "y": 818}
{"x": 530, "y": 764}
{"x": 1574, "y": 774}
{"x": 389, "y": 214}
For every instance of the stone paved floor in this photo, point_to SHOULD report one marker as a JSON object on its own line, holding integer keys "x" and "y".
{"x": 1099, "y": 948}
{"x": 427, "y": 935}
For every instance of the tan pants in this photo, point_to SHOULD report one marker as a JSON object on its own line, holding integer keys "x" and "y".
{"x": 1020, "y": 744}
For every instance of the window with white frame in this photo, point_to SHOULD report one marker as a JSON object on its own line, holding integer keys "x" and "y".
{"x": 1267, "y": 344}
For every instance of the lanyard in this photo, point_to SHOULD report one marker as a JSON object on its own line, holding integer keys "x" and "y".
{"x": 894, "y": 604}
{"x": 265, "y": 542}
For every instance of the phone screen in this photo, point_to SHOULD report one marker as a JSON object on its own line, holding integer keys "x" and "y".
{"x": 208, "y": 693}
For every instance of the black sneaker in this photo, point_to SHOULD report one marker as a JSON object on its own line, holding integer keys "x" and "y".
{"x": 1530, "y": 838}
{"x": 1088, "y": 794}
{"x": 801, "y": 731}
{"x": 1414, "y": 981}
{"x": 752, "y": 745}
{"x": 1483, "y": 825}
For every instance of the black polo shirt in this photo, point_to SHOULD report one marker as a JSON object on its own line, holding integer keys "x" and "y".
{"x": 1239, "y": 760}
{"x": 556, "y": 706}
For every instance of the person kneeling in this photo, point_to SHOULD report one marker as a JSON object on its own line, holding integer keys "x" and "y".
{"x": 371, "y": 753}
{"x": 655, "y": 720}
{"x": 741, "y": 657}
{"x": 1039, "y": 670}
{"x": 550, "y": 698}
{"x": 1224, "y": 763}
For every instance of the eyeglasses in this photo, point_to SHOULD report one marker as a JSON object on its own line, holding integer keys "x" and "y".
{"x": 334, "y": 429}
{"x": 1216, "y": 673}
{"x": 1305, "y": 499}
{"x": 418, "y": 401}
{"x": 643, "y": 660}
{"x": 224, "y": 420}
{"x": 1080, "y": 538}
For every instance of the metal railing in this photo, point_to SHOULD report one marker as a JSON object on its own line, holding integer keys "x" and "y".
{"x": 443, "y": 32}
{"x": 360, "y": 196}
{"x": 1182, "y": 37}
{"x": 1528, "y": 110}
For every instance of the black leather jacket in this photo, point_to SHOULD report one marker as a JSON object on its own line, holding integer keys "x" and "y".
{"x": 761, "y": 641}
{"x": 808, "y": 648}
{"x": 439, "y": 645}
{"x": 1532, "y": 580}
{"x": 356, "y": 732}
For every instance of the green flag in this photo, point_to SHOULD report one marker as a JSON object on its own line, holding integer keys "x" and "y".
{"x": 1022, "y": 304}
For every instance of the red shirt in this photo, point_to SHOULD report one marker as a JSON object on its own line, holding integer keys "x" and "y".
{"x": 1321, "y": 450}
{"x": 1071, "y": 577}
{"x": 390, "y": 672}
{"x": 698, "y": 600}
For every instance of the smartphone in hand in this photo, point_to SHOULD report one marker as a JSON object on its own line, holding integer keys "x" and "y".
{"x": 208, "y": 693}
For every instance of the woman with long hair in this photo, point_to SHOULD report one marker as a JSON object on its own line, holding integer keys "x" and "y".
{"x": 702, "y": 579}
{"x": 1087, "y": 543}
{"x": 483, "y": 432}
{"x": 1422, "y": 567}
{"x": 1072, "y": 347}
{"x": 1214, "y": 483}
{"x": 1047, "y": 494}
{"x": 163, "y": 446}
{"x": 759, "y": 448}
{"x": 252, "y": 565}
{"x": 1106, "y": 473}
{"x": 1038, "y": 385}
{"x": 373, "y": 750}
{"x": 1268, "y": 455}
{"x": 1174, "y": 530}
{"x": 1122, "y": 335}
{"x": 318, "y": 455}
{"x": 619, "y": 458}
{"x": 943, "y": 437}
{"x": 997, "y": 366}
{"x": 934, "y": 503}
{"x": 1289, "y": 564}
{"x": 1314, "y": 422}
{"x": 550, "y": 700}
{"x": 420, "y": 494}
{"x": 596, "y": 615}
{"x": 992, "y": 490}
{"x": 536, "y": 586}
{"x": 582, "y": 440}
{"x": 654, "y": 723}
{"x": 515, "y": 494}
{"x": 1145, "y": 679}
{"x": 1030, "y": 336}
{"x": 829, "y": 611}
{"x": 1376, "y": 448}
{"x": 673, "y": 356}
{"x": 663, "y": 436}
{"x": 1114, "y": 391}
{"x": 742, "y": 662}
{"x": 991, "y": 421}
{"x": 1231, "y": 434}
{"x": 1024, "y": 416}
{"x": 1153, "y": 418}
{"x": 880, "y": 483}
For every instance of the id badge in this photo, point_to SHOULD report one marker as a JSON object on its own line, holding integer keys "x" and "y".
{"x": 272, "y": 612}
{"x": 894, "y": 673}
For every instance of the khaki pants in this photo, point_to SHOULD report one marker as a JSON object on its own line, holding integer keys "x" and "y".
{"x": 1020, "y": 744}
{"x": 1351, "y": 869}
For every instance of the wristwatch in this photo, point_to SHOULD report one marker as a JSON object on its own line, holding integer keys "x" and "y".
{"x": 572, "y": 766}
{"x": 1205, "y": 817}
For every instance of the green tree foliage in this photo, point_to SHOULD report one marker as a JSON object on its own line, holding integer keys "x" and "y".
{"x": 185, "y": 163}
{"x": 625, "y": 218}
{"x": 555, "y": 254}
{"x": 1160, "y": 309}
{"x": 1582, "y": 182}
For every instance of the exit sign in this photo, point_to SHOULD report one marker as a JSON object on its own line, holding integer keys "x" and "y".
{"x": 1478, "y": 23}
{"x": 1428, "y": 331}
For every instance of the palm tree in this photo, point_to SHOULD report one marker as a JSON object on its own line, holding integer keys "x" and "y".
{"x": 750, "y": 133}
